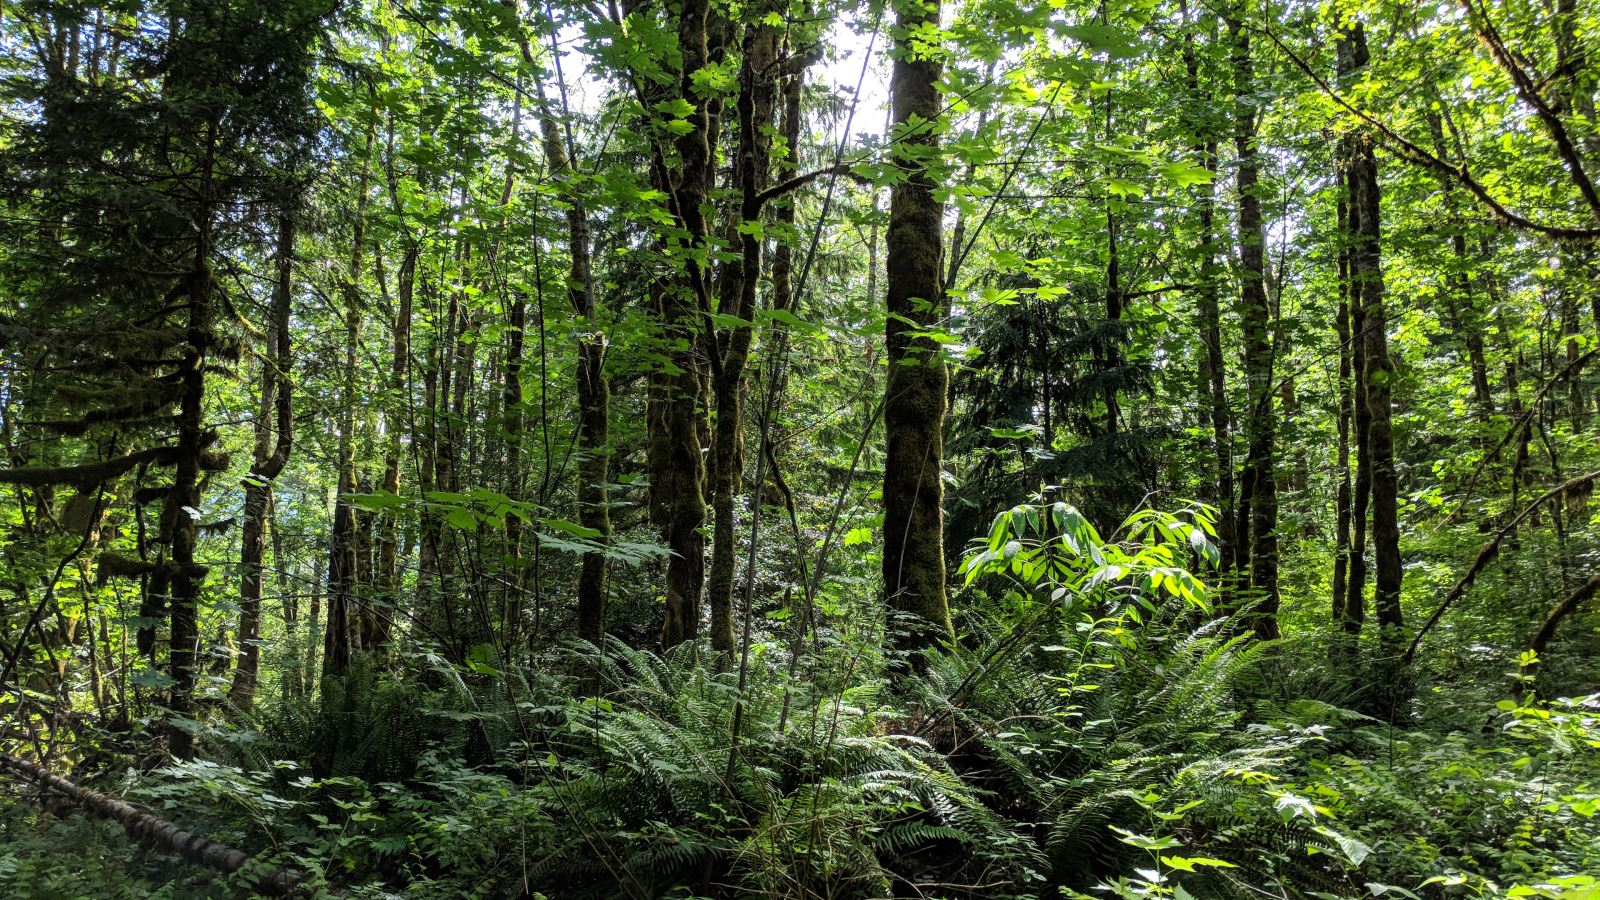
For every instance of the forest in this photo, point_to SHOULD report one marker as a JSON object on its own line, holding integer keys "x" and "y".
{"x": 780, "y": 448}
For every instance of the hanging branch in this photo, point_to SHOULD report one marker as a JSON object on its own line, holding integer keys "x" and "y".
{"x": 1489, "y": 551}
{"x": 1529, "y": 93}
{"x": 1415, "y": 154}
{"x": 152, "y": 831}
{"x": 1523, "y": 423}
{"x": 89, "y": 474}
{"x": 1561, "y": 610}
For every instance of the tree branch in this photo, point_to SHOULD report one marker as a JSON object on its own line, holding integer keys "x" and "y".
{"x": 1488, "y": 552}
{"x": 1416, "y": 155}
{"x": 89, "y": 474}
{"x": 1561, "y": 610}
{"x": 800, "y": 181}
{"x": 1529, "y": 92}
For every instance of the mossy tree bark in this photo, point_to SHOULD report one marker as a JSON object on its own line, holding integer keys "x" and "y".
{"x": 1213, "y": 368}
{"x": 758, "y": 91}
{"x": 594, "y": 391}
{"x": 1376, "y": 371}
{"x": 915, "y": 400}
{"x": 275, "y": 419}
{"x": 684, "y": 386}
{"x": 342, "y": 540}
{"x": 1259, "y": 480}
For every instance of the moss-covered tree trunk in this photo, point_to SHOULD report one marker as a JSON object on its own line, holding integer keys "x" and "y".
{"x": 680, "y": 430}
{"x": 915, "y": 399}
{"x": 593, "y": 390}
{"x": 1259, "y": 479}
{"x": 342, "y": 540}
{"x": 1213, "y": 368}
{"x": 757, "y": 98}
{"x": 183, "y": 502}
{"x": 275, "y": 419}
{"x": 1376, "y": 370}
{"x": 1344, "y": 616}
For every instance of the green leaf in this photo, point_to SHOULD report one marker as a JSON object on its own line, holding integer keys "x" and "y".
{"x": 1187, "y": 864}
{"x": 1145, "y": 842}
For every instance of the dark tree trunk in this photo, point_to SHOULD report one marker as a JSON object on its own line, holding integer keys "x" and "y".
{"x": 1213, "y": 369}
{"x": 1256, "y": 318}
{"x": 270, "y": 458}
{"x": 388, "y": 553}
{"x": 342, "y": 541}
{"x": 181, "y": 513}
{"x": 1376, "y": 370}
{"x": 684, "y": 467}
{"x": 187, "y": 576}
{"x": 1343, "y": 616}
{"x": 757, "y": 96}
{"x": 915, "y": 398}
{"x": 594, "y": 391}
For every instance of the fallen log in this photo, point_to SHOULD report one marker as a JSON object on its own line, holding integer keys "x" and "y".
{"x": 152, "y": 831}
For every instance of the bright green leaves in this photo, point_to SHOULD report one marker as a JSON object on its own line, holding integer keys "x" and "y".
{"x": 1054, "y": 549}
{"x": 1115, "y": 42}
{"x": 857, "y": 537}
{"x": 1156, "y": 881}
{"x": 1123, "y": 188}
{"x": 675, "y": 115}
{"x": 1184, "y": 174}
{"x": 1189, "y": 864}
{"x": 481, "y": 508}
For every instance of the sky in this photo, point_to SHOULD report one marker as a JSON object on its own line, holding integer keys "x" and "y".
{"x": 840, "y": 70}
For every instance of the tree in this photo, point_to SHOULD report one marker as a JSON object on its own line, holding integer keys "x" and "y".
{"x": 1258, "y": 484}
{"x": 914, "y": 395}
{"x": 1373, "y": 369}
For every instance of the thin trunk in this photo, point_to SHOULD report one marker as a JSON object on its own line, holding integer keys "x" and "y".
{"x": 757, "y": 95}
{"x": 511, "y": 404}
{"x": 1213, "y": 369}
{"x": 1461, "y": 311}
{"x": 1577, "y": 406}
{"x": 399, "y": 398}
{"x": 342, "y": 540}
{"x": 594, "y": 391}
{"x": 1342, "y": 613}
{"x": 388, "y": 562}
{"x": 783, "y": 285}
{"x": 270, "y": 458}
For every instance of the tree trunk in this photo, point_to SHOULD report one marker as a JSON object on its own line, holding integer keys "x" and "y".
{"x": 681, "y": 425}
{"x": 342, "y": 540}
{"x": 1376, "y": 372}
{"x": 182, "y": 511}
{"x": 915, "y": 399}
{"x": 594, "y": 391}
{"x": 1344, "y": 616}
{"x": 1213, "y": 370}
{"x": 276, "y": 394}
{"x": 757, "y": 96}
{"x": 1255, "y": 317}
{"x": 388, "y": 553}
